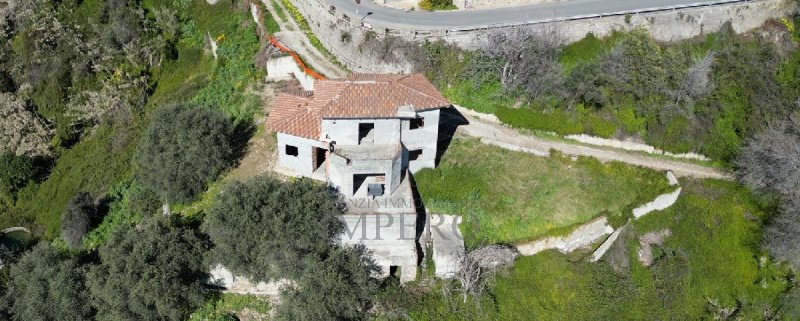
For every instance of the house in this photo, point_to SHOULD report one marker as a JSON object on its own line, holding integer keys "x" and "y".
{"x": 361, "y": 134}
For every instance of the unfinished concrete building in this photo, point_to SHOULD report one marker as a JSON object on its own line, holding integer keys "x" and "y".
{"x": 361, "y": 133}
{"x": 365, "y": 135}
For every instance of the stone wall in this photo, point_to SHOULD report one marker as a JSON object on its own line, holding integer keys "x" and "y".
{"x": 330, "y": 26}
{"x": 583, "y": 236}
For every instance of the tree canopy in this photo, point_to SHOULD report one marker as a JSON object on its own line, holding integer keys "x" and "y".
{"x": 263, "y": 228}
{"x": 48, "y": 285}
{"x": 78, "y": 218}
{"x": 153, "y": 272}
{"x": 185, "y": 148}
{"x": 347, "y": 272}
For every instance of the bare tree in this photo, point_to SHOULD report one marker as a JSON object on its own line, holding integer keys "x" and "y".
{"x": 472, "y": 277}
{"x": 770, "y": 162}
{"x": 528, "y": 58}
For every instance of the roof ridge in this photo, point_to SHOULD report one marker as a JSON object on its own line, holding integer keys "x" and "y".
{"x": 423, "y": 93}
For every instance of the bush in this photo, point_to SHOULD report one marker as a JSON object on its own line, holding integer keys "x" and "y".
{"x": 437, "y": 5}
{"x": 15, "y": 172}
{"x": 281, "y": 222}
{"x": 151, "y": 272}
{"x": 78, "y": 218}
{"x": 185, "y": 148}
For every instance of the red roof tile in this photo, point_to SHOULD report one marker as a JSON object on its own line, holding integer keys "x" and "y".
{"x": 357, "y": 96}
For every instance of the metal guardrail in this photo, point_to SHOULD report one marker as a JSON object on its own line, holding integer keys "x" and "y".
{"x": 601, "y": 15}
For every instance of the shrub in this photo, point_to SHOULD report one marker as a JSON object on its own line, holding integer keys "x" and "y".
{"x": 15, "y": 172}
{"x": 78, "y": 218}
{"x": 437, "y": 5}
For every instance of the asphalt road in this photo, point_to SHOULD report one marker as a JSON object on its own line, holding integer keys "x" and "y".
{"x": 466, "y": 19}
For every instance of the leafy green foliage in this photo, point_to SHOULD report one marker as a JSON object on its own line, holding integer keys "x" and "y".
{"x": 78, "y": 218}
{"x": 281, "y": 222}
{"x": 154, "y": 271}
{"x": 185, "y": 148}
{"x": 703, "y": 95}
{"x": 437, "y": 5}
{"x": 345, "y": 271}
{"x": 15, "y": 172}
{"x": 227, "y": 305}
{"x": 48, "y": 285}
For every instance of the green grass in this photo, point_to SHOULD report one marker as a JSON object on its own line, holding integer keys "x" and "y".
{"x": 95, "y": 165}
{"x": 587, "y": 49}
{"x": 713, "y": 254}
{"x": 228, "y": 305}
{"x": 509, "y": 197}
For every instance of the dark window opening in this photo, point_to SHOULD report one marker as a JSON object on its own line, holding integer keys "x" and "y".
{"x": 414, "y": 154}
{"x": 319, "y": 157}
{"x": 394, "y": 271}
{"x": 366, "y": 133}
{"x": 291, "y": 150}
{"x": 359, "y": 180}
{"x": 417, "y": 123}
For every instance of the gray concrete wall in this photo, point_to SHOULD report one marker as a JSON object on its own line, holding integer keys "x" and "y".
{"x": 302, "y": 164}
{"x": 424, "y": 138}
{"x": 663, "y": 25}
{"x": 341, "y": 173}
{"x": 345, "y": 131}
{"x": 390, "y": 237}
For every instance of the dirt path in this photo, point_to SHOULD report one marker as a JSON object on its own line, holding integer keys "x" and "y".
{"x": 291, "y": 36}
{"x": 491, "y": 131}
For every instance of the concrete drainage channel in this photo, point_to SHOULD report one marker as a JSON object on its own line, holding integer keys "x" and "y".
{"x": 589, "y": 233}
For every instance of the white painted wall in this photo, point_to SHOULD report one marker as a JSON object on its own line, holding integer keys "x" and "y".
{"x": 425, "y": 138}
{"x": 345, "y": 131}
{"x": 302, "y": 164}
{"x": 283, "y": 68}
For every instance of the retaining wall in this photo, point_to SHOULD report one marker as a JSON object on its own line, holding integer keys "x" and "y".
{"x": 665, "y": 25}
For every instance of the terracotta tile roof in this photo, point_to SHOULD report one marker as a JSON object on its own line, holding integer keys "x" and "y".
{"x": 357, "y": 96}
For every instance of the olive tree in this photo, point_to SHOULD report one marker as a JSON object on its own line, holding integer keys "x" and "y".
{"x": 264, "y": 228}
{"x": 185, "y": 148}
{"x": 48, "y": 285}
{"x": 770, "y": 162}
{"x": 340, "y": 286}
{"x": 153, "y": 272}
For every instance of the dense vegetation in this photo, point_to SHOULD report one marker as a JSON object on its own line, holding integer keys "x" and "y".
{"x": 706, "y": 95}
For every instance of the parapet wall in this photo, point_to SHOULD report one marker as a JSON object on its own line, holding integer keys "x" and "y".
{"x": 342, "y": 34}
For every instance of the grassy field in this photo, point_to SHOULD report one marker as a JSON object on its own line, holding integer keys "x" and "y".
{"x": 508, "y": 197}
{"x": 712, "y": 256}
